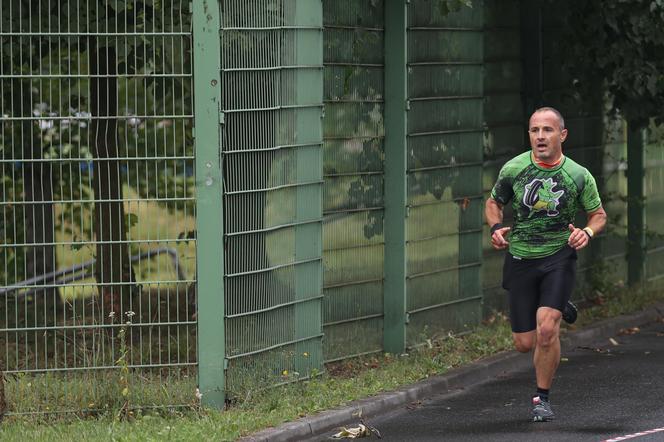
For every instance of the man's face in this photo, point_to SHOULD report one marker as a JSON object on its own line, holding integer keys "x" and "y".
{"x": 546, "y": 137}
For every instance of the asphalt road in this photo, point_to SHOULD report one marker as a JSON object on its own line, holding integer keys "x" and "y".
{"x": 600, "y": 392}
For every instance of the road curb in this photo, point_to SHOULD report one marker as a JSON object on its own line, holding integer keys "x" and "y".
{"x": 450, "y": 383}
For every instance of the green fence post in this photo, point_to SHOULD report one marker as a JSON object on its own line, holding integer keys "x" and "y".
{"x": 636, "y": 232}
{"x": 394, "y": 334}
{"x": 209, "y": 220}
{"x": 309, "y": 170}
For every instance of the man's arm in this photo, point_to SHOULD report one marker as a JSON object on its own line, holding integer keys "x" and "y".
{"x": 493, "y": 211}
{"x": 578, "y": 238}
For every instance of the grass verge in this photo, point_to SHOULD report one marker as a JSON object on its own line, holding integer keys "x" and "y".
{"x": 342, "y": 383}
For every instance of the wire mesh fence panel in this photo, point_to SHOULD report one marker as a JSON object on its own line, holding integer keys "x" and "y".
{"x": 604, "y": 264}
{"x": 271, "y": 140}
{"x": 97, "y": 251}
{"x": 613, "y": 190}
{"x": 444, "y": 170}
{"x": 353, "y": 167}
{"x": 505, "y": 137}
{"x": 654, "y": 190}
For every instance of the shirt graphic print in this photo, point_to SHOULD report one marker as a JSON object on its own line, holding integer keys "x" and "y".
{"x": 539, "y": 195}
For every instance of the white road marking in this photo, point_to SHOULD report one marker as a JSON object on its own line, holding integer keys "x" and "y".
{"x": 632, "y": 436}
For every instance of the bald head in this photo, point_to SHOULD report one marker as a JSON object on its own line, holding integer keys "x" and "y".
{"x": 561, "y": 120}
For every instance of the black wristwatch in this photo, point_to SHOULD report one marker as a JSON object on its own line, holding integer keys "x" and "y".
{"x": 496, "y": 227}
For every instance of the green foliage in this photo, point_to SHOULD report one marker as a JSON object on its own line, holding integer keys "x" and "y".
{"x": 600, "y": 279}
{"x": 621, "y": 43}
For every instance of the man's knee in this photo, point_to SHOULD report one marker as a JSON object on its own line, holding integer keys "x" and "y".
{"x": 548, "y": 326}
{"x": 524, "y": 343}
{"x": 547, "y": 334}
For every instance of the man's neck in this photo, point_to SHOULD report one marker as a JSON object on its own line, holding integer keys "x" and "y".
{"x": 547, "y": 164}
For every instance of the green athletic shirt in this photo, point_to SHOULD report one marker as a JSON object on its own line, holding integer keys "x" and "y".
{"x": 545, "y": 202}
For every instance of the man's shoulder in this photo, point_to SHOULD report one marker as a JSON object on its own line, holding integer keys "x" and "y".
{"x": 570, "y": 164}
{"x": 579, "y": 174}
{"x": 574, "y": 169}
{"x": 517, "y": 163}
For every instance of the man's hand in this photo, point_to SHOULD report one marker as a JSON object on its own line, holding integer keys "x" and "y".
{"x": 498, "y": 240}
{"x": 578, "y": 239}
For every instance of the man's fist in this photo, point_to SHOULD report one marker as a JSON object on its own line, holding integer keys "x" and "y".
{"x": 498, "y": 240}
{"x": 578, "y": 239}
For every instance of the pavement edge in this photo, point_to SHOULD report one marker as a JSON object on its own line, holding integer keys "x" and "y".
{"x": 451, "y": 382}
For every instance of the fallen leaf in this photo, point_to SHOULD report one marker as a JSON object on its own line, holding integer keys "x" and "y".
{"x": 352, "y": 433}
{"x": 564, "y": 360}
{"x": 362, "y": 430}
{"x": 629, "y": 331}
{"x": 647, "y": 352}
{"x": 414, "y": 405}
{"x": 613, "y": 341}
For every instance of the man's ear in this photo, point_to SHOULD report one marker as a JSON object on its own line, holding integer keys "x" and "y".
{"x": 563, "y": 135}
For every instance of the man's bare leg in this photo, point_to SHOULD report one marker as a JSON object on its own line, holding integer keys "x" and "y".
{"x": 547, "y": 347}
{"x": 546, "y": 342}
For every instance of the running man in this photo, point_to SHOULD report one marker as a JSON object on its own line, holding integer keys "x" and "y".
{"x": 547, "y": 189}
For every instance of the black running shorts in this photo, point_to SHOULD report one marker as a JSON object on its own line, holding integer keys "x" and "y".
{"x": 539, "y": 282}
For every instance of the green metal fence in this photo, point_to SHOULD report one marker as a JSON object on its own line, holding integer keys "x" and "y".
{"x": 353, "y": 238}
{"x": 96, "y": 260}
{"x": 504, "y": 117}
{"x": 654, "y": 191}
{"x": 272, "y": 83}
{"x": 225, "y": 195}
{"x": 444, "y": 168}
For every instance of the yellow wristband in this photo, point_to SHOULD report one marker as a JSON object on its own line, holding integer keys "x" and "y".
{"x": 589, "y": 230}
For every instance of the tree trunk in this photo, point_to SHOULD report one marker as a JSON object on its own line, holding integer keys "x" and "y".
{"x": 113, "y": 267}
{"x": 38, "y": 212}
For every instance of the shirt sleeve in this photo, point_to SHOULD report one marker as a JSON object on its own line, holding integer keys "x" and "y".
{"x": 502, "y": 191}
{"x": 590, "y": 199}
